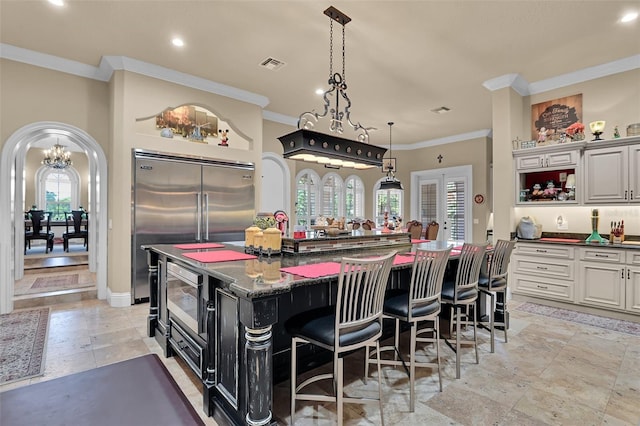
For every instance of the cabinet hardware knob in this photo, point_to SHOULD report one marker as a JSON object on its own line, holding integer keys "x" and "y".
{"x": 625, "y": 194}
{"x": 631, "y": 195}
{"x": 622, "y": 275}
{"x": 628, "y": 274}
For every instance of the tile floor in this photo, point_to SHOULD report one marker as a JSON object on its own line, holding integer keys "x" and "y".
{"x": 551, "y": 372}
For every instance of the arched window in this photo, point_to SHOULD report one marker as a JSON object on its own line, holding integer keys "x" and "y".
{"x": 307, "y": 197}
{"x": 58, "y": 190}
{"x": 354, "y": 198}
{"x": 332, "y": 196}
{"x": 387, "y": 200}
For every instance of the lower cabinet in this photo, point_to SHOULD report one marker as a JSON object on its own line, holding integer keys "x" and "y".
{"x": 633, "y": 281}
{"x": 592, "y": 276}
{"x": 602, "y": 278}
{"x": 543, "y": 271}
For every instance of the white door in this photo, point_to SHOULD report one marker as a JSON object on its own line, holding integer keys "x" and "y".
{"x": 444, "y": 195}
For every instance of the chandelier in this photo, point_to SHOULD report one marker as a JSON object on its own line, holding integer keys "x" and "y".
{"x": 56, "y": 157}
{"x": 333, "y": 151}
{"x": 390, "y": 182}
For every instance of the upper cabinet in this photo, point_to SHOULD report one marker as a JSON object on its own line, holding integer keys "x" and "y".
{"x": 548, "y": 174}
{"x": 611, "y": 172}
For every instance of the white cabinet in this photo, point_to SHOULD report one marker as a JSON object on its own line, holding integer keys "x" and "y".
{"x": 612, "y": 175}
{"x": 545, "y": 271}
{"x": 602, "y": 278}
{"x": 543, "y": 164}
{"x": 633, "y": 281}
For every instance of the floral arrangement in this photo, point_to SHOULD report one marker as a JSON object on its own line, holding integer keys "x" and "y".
{"x": 575, "y": 129}
{"x": 264, "y": 222}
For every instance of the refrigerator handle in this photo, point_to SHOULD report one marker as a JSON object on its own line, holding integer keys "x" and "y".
{"x": 199, "y": 215}
{"x": 206, "y": 216}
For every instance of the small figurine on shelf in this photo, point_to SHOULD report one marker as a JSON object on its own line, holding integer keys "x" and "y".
{"x": 223, "y": 137}
{"x": 542, "y": 135}
{"x": 536, "y": 191}
{"x": 550, "y": 191}
{"x": 616, "y": 132}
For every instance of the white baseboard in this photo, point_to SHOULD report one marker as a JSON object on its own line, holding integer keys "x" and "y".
{"x": 118, "y": 300}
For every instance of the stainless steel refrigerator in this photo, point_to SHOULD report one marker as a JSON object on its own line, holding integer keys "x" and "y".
{"x": 181, "y": 200}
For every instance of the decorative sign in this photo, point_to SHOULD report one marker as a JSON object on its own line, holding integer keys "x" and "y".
{"x": 549, "y": 120}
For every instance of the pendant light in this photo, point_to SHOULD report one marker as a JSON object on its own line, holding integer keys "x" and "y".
{"x": 306, "y": 144}
{"x": 390, "y": 182}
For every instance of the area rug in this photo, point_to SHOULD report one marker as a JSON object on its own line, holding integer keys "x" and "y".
{"x": 613, "y": 324}
{"x": 23, "y": 339}
{"x": 139, "y": 391}
{"x": 63, "y": 281}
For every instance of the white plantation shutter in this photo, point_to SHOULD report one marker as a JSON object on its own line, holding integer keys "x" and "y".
{"x": 354, "y": 198}
{"x": 307, "y": 194}
{"x": 456, "y": 209}
{"x": 332, "y": 196}
{"x": 428, "y": 202}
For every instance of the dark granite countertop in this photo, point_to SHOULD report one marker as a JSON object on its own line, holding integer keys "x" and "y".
{"x": 246, "y": 278}
{"x": 579, "y": 240}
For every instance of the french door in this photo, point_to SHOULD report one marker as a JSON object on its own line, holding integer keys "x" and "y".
{"x": 444, "y": 196}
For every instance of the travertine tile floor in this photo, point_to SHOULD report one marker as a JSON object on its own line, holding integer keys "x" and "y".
{"x": 551, "y": 372}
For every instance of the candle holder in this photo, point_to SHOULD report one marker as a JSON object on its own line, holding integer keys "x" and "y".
{"x": 595, "y": 237}
{"x": 597, "y": 128}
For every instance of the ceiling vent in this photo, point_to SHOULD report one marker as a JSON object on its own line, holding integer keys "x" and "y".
{"x": 272, "y": 64}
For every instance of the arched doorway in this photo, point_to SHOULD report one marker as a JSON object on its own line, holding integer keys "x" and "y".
{"x": 11, "y": 204}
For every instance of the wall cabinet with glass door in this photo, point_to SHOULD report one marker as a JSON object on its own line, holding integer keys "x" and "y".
{"x": 548, "y": 174}
{"x": 611, "y": 171}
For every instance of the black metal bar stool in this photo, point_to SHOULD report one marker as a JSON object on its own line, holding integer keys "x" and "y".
{"x": 462, "y": 293}
{"x": 353, "y": 323}
{"x": 420, "y": 303}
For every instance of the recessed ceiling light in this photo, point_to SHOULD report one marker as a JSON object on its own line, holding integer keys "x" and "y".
{"x": 441, "y": 110}
{"x": 177, "y": 42}
{"x": 629, "y": 16}
{"x": 319, "y": 91}
{"x": 58, "y": 3}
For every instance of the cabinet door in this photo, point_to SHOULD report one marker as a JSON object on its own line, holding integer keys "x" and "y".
{"x": 606, "y": 175}
{"x": 555, "y": 159}
{"x": 633, "y": 289}
{"x": 530, "y": 162}
{"x": 634, "y": 173}
{"x": 602, "y": 285}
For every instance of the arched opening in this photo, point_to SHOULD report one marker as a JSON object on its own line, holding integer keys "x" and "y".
{"x": 12, "y": 202}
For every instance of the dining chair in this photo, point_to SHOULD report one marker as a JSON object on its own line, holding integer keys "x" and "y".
{"x": 415, "y": 305}
{"x": 462, "y": 292}
{"x": 40, "y": 229}
{"x": 353, "y": 323}
{"x": 495, "y": 281}
{"x": 73, "y": 221}
{"x": 415, "y": 229}
{"x": 431, "y": 232}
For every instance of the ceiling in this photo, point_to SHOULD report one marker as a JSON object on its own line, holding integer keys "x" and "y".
{"x": 403, "y": 58}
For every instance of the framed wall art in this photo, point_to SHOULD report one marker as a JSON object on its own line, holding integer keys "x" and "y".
{"x": 550, "y": 119}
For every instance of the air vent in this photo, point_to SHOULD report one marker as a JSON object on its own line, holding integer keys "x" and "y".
{"x": 441, "y": 110}
{"x": 272, "y": 64}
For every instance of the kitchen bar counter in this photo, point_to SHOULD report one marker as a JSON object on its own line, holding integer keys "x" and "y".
{"x": 246, "y": 304}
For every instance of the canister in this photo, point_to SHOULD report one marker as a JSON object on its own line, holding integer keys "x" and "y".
{"x": 258, "y": 240}
{"x": 272, "y": 240}
{"x": 249, "y": 235}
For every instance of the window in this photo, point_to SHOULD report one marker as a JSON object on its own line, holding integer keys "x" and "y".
{"x": 332, "y": 196}
{"x": 455, "y": 209}
{"x": 58, "y": 190}
{"x": 387, "y": 200}
{"x": 354, "y": 198}
{"x": 307, "y": 195}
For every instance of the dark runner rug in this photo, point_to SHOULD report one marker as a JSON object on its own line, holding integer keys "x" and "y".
{"x": 23, "y": 339}
{"x": 138, "y": 392}
{"x": 621, "y": 326}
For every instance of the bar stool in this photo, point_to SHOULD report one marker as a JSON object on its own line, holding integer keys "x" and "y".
{"x": 354, "y": 322}
{"x": 419, "y": 303}
{"x": 462, "y": 292}
{"x": 496, "y": 282}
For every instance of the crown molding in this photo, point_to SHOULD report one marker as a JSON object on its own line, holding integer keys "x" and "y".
{"x": 280, "y": 118}
{"x": 109, "y": 64}
{"x": 484, "y": 133}
{"x": 520, "y": 85}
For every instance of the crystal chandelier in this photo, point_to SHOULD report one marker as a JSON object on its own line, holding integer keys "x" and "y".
{"x": 56, "y": 157}
{"x": 308, "y": 145}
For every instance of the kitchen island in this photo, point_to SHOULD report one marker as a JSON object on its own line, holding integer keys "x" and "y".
{"x": 235, "y": 340}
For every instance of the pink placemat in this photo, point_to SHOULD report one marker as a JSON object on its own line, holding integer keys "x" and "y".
{"x": 402, "y": 259}
{"x": 218, "y": 256}
{"x": 193, "y": 246}
{"x": 561, "y": 240}
{"x": 414, "y": 241}
{"x": 314, "y": 271}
